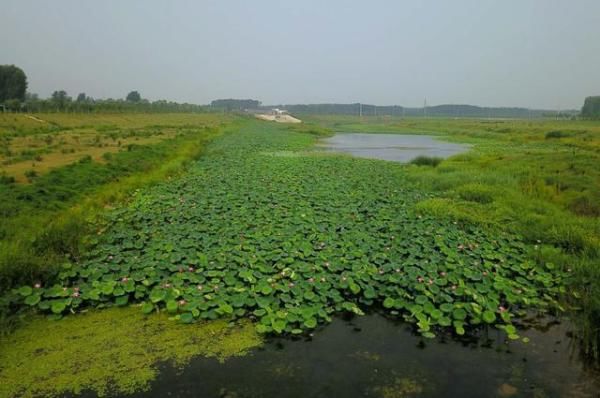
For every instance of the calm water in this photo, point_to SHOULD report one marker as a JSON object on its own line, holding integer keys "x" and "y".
{"x": 394, "y": 147}
{"x": 372, "y": 356}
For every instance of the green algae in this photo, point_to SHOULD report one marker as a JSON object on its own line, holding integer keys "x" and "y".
{"x": 114, "y": 350}
{"x": 400, "y": 387}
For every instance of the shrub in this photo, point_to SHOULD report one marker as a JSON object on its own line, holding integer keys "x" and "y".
{"x": 426, "y": 161}
{"x": 556, "y": 134}
{"x": 31, "y": 174}
{"x": 6, "y": 180}
{"x": 585, "y": 205}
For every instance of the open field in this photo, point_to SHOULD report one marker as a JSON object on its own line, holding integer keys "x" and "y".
{"x": 32, "y": 146}
{"x": 242, "y": 219}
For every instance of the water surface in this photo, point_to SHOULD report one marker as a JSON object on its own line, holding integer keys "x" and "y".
{"x": 372, "y": 356}
{"x": 394, "y": 147}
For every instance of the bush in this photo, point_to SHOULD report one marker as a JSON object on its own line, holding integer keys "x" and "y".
{"x": 585, "y": 205}
{"x": 556, "y": 134}
{"x": 6, "y": 180}
{"x": 426, "y": 161}
{"x": 31, "y": 174}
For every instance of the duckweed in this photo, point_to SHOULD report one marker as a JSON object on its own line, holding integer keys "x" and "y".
{"x": 114, "y": 350}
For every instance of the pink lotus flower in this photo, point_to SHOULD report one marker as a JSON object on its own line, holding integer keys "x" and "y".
{"x": 75, "y": 294}
{"x": 110, "y": 257}
{"x": 430, "y": 282}
{"x": 327, "y": 263}
{"x": 397, "y": 270}
{"x": 76, "y": 288}
{"x": 167, "y": 285}
{"x": 191, "y": 269}
{"x": 311, "y": 280}
{"x": 454, "y": 287}
{"x": 37, "y": 285}
{"x": 381, "y": 272}
{"x": 182, "y": 302}
{"x": 485, "y": 273}
{"x": 323, "y": 279}
{"x": 502, "y": 308}
{"x": 124, "y": 279}
{"x": 291, "y": 284}
{"x": 199, "y": 287}
{"x": 442, "y": 273}
{"x": 461, "y": 247}
{"x": 420, "y": 279}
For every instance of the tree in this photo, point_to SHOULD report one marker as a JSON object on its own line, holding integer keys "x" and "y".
{"x": 13, "y": 83}
{"x": 133, "y": 96}
{"x": 60, "y": 98}
{"x": 591, "y": 107}
{"x": 81, "y": 97}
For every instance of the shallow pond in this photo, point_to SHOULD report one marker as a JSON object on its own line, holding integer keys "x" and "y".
{"x": 372, "y": 356}
{"x": 394, "y": 147}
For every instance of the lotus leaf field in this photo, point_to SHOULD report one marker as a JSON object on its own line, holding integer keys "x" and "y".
{"x": 289, "y": 241}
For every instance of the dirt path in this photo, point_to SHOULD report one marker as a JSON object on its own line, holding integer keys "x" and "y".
{"x": 279, "y": 118}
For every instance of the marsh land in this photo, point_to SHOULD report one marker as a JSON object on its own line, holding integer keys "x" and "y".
{"x": 247, "y": 234}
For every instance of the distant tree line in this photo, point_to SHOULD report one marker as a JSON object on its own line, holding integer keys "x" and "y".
{"x": 342, "y": 109}
{"x": 430, "y": 111}
{"x": 60, "y": 101}
{"x": 591, "y": 108}
{"x": 231, "y": 104}
{"x": 14, "y": 97}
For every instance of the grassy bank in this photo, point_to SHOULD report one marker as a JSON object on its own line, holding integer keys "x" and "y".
{"x": 47, "y": 219}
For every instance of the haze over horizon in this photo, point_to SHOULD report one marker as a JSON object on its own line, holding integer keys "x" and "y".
{"x": 512, "y": 53}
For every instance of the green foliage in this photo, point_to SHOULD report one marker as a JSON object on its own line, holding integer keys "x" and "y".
{"x": 556, "y": 134}
{"x": 13, "y": 83}
{"x": 426, "y": 161}
{"x": 591, "y": 107}
{"x": 133, "y": 96}
{"x": 267, "y": 239}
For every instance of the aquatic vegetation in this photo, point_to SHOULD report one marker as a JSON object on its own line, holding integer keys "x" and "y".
{"x": 110, "y": 351}
{"x": 290, "y": 241}
{"x": 400, "y": 387}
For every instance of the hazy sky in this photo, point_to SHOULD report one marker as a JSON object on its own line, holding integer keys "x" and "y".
{"x": 531, "y": 53}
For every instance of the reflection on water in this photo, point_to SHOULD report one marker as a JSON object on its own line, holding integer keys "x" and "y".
{"x": 394, "y": 147}
{"x": 372, "y": 356}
